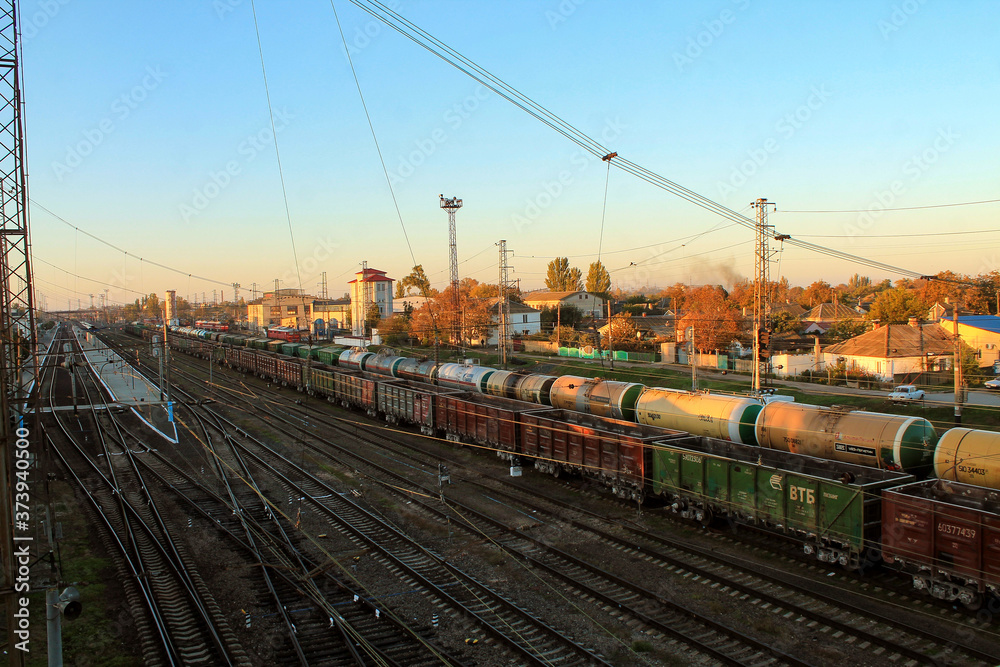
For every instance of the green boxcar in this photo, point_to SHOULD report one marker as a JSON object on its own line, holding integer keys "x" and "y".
{"x": 330, "y": 355}
{"x": 835, "y": 508}
{"x": 291, "y": 349}
{"x": 306, "y": 351}
{"x": 322, "y": 383}
{"x": 259, "y": 343}
{"x": 274, "y": 345}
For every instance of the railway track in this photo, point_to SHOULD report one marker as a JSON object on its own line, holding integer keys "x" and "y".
{"x": 178, "y": 608}
{"x": 779, "y": 598}
{"x": 530, "y": 639}
{"x": 711, "y": 638}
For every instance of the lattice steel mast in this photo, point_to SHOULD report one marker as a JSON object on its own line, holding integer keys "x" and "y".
{"x": 503, "y": 304}
{"x": 761, "y": 290}
{"x": 17, "y": 318}
{"x": 452, "y": 205}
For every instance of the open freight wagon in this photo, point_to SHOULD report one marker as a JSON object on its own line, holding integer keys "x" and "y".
{"x": 834, "y": 508}
{"x": 614, "y": 451}
{"x": 946, "y": 535}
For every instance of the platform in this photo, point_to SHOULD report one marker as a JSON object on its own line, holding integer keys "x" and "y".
{"x": 127, "y": 387}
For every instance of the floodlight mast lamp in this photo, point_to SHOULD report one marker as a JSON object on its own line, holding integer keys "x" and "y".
{"x": 451, "y": 205}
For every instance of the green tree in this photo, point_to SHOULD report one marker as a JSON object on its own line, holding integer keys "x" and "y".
{"x": 416, "y": 282}
{"x": 784, "y": 322}
{"x": 844, "y": 329}
{"x": 561, "y": 277}
{"x": 566, "y": 316}
{"x": 151, "y": 306}
{"x": 896, "y": 306}
{"x": 598, "y": 279}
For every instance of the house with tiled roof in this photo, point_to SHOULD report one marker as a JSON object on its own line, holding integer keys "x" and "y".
{"x": 823, "y": 316}
{"x": 589, "y": 304}
{"x": 896, "y": 352}
{"x": 981, "y": 333}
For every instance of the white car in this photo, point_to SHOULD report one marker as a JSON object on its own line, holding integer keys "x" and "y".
{"x": 992, "y": 384}
{"x": 906, "y": 393}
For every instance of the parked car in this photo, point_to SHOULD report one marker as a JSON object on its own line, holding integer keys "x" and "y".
{"x": 906, "y": 393}
{"x": 992, "y": 384}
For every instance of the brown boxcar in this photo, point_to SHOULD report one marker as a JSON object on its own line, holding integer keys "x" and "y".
{"x": 613, "y": 450}
{"x": 266, "y": 364}
{"x": 409, "y": 402}
{"x": 243, "y": 358}
{"x": 946, "y": 535}
{"x": 484, "y": 420}
{"x": 353, "y": 389}
{"x": 288, "y": 371}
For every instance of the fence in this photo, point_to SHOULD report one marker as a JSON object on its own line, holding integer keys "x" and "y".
{"x": 618, "y": 355}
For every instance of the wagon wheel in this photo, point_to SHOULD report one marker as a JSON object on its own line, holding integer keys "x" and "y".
{"x": 973, "y": 601}
{"x": 707, "y": 518}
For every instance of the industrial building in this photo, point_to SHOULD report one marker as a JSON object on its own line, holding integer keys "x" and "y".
{"x": 281, "y": 308}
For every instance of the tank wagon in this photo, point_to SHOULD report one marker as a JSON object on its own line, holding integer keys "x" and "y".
{"x": 969, "y": 456}
{"x": 709, "y": 415}
{"x": 466, "y": 378}
{"x": 604, "y": 398}
{"x": 851, "y": 436}
{"x": 858, "y": 437}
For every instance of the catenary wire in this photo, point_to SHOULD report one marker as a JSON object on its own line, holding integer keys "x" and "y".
{"x": 277, "y": 153}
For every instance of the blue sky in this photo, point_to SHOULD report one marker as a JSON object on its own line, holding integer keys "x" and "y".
{"x": 147, "y": 125}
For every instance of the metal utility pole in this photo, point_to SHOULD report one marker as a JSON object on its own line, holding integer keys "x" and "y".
{"x": 503, "y": 303}
{"x": 957, "y": 363}
{"x": 17, "y": 309}
{"x": 761, "y": 289}
{"x": 236, "y": 301}
{"x": 611, "y": 335}
{"x": 451, "y": 206}
{"x": 366, "y": 297}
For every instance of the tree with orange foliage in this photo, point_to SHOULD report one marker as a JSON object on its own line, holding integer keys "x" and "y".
{"x": 715, "y": 319}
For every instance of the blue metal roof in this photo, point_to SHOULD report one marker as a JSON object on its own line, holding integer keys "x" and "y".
{"x": 989, "y": 323}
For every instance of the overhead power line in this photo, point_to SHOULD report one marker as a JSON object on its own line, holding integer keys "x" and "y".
{"x": 437, "y": 48}
{"x": 126, "y": 252}
{"x": 901, "y": 208}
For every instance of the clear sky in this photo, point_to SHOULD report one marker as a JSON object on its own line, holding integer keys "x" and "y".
{"x": 147, "y": 125}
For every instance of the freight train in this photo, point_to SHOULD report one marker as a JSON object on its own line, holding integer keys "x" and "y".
{"x": 821, "y": 475}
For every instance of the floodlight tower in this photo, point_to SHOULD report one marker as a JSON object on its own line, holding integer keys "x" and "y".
{"x": 452, "y": 205}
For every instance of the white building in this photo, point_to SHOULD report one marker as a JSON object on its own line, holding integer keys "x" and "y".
{"x": 587, "y": 303}
{"x": 379, "y": 292}
{"x": 896, "y": 352}
{"x": 524, "y": 321}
